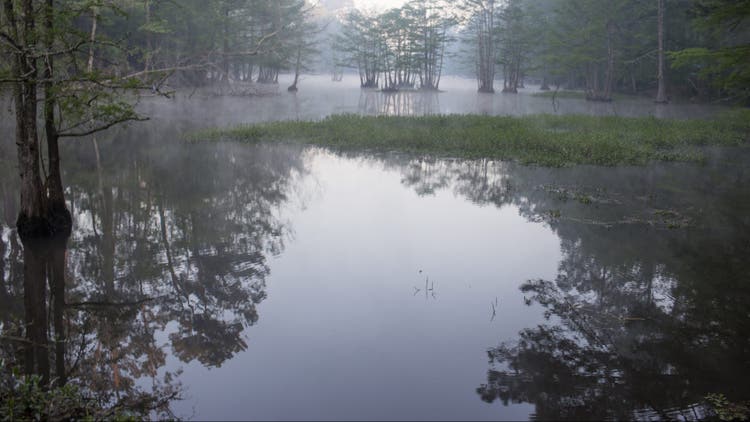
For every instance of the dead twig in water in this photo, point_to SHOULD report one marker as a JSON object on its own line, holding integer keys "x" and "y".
{"x": 494, "y": 309}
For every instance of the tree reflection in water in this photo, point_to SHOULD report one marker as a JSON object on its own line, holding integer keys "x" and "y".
{"x": 399, "y": 103}
{"x": 169, "y": 256}
{"x": 648, "y": 313}
{"x": 167, "y": 239}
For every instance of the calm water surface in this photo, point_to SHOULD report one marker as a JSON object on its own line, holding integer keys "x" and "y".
{"x": 319, "y": 97}
{"x": 269, "y": 282}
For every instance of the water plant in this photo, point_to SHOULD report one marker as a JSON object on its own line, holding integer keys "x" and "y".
{"x": 544, "y": 139}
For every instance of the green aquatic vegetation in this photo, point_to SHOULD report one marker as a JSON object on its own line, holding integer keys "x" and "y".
{"x": 671, "y": 219}
{"x": 548, "y": 140}
{"x": 584, "y": 199}
{"x": 26, "y": 398}
{"x": 726, "y": 410}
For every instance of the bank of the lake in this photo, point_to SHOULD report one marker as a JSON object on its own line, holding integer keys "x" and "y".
{"x": 543, "y": 139}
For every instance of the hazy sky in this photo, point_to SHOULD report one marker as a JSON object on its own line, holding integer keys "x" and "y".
{"x": 378, "y": 4}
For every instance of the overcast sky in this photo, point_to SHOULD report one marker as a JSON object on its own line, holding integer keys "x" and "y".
{"x": 378, "y": 5}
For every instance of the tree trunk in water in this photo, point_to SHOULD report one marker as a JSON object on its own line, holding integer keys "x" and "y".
{"x": 661, "y": 94}
{"x": 42, "y": 215}
{"x": 31, "y": 218}
{"x": 35, "y": 306}
{"x": 92, "y": 38}
{"x": 149, "y": 47}
{"x": 225, "y": 47}
{"x": 609, "y": 78}
{"x": 512, "y": 73}
{"x": 4, "y": 291}
{"x": 545, "y": 83}
{"x": 293, "y": 86}
{"x": 440, "y": 66}
{"x": 57, "y": 286}
{"x": 506, "y": 76}
{"x": 486, "y": 49}
{"x": 10, "y": 204}
{"x": 58, "y": 214}
{"x": 108, "y": 241}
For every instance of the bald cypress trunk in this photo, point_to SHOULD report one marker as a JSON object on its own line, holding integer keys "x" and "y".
{"x": 4, "y": 291}
{"x": 297, "y": 66}
{"x": 609, "y": 74}
{"x": 661, "y": 92}
{"x": 59, "y": 216}
{"x": 24, "y": 68}
{"x": 486, "y": 49}
{"x": 42, "y": 213}
{"x": 56, "y": 273}
{"x": 36, "y": 359}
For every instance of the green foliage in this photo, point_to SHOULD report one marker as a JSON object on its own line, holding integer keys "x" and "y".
{"x": 24, "y": 398}
{"x": 601, "y": 45}
{"x": 726, "y": 410}
{"x": 90, "y": 110}
{"x": 160, "y": 26}
{"x": 715, "y": 14}
{"x": 548, "y": 140}
{"x": 726, "y": 68}
{"x": 723, "y": 58}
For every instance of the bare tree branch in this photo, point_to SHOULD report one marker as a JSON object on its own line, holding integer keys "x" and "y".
{"x": 103, "y": 127}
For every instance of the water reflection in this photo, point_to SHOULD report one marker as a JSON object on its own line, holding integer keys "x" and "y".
{"x": 643, "y": 276}
{"x": 401, "y": 103}
{"x": 169, "y": 256}
{"x": 631, "y": 336}
{"x": 648, "y": 312}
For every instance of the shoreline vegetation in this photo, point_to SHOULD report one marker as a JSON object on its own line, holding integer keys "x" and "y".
{"x": 543, "y": 139}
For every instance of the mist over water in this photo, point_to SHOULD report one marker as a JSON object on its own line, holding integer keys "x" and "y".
{"x": 319, "y": 97}
{"x": 374, "y": 210}
{"x": 277, "y": 282}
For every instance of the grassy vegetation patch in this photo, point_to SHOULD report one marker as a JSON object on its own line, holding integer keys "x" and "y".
{"x": 549, "y": 140}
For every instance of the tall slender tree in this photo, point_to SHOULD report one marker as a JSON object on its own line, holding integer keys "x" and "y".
{"x": 661, "y": 91}
{"x": 480, "y": 19}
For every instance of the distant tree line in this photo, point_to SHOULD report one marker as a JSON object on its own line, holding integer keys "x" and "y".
{"x": 690, "y": 48}
{"x": 200, "y": 42}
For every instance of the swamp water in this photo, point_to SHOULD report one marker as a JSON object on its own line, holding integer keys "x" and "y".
{"x": 277, "y": 282}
